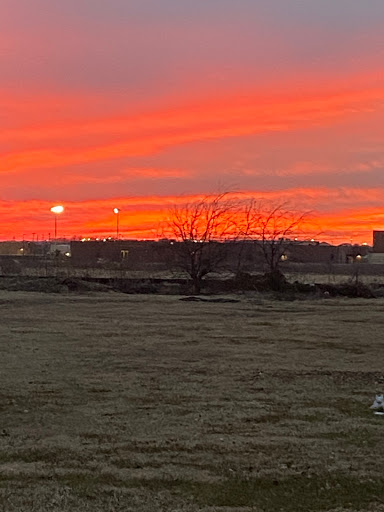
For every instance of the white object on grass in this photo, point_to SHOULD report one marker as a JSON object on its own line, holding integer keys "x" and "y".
{"x": 378, "y": 404}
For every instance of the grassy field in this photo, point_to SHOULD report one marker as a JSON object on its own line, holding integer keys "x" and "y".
{"x": 113, "y": 402}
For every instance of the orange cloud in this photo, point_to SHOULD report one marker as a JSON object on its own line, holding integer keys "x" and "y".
{"x": 144, "y": 217}
{"x": 57, "y": 140}
{"x": 125, "y": 175}
{"x": 150, "y": 133}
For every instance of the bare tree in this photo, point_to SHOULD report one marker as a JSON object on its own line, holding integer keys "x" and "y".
{"x": 272, "y": 227}
{"x": 200, "y": 228}
{"x": 247, "y": 225}
{"x": 277, "y": 226}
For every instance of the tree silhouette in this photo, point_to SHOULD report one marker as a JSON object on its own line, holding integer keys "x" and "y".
{"x": 200, "y": 228}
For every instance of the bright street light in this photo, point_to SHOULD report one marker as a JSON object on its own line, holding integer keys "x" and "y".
{"x": 116, "y": 211}
{"x": 57, "y": 210}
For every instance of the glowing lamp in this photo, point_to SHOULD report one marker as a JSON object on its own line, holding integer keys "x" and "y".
{"x": 57, "y": 209}
{"x": 117, "y": 211}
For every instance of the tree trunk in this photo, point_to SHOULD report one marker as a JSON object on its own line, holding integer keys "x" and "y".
{"x": 196, "y": 284}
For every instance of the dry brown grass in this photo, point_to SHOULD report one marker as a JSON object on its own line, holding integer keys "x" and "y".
{"x": 116, "y": 402}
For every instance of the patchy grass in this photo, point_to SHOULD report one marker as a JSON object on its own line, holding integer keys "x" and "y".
{"x": 118, "y": 402}
{"x": 298, "y": 493}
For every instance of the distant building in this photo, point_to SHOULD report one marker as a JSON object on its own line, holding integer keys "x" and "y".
{"x": 24, "y": 248}
{"x": 130, "y": 254}
{"x": 56, "y": 248}
{"x": 313, "y": 252}
{"x": 297, "y": 251}
{"x": 377, "y": 254}
{"x": 378, "y": 242}
{"x": 164, "y": 254}
{"x": 13, "y": 248}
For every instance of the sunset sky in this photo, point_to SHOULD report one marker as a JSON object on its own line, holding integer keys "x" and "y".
{"x": 134, "y": 104}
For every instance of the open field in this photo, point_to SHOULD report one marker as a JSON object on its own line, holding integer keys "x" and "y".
{"x": 113, "y": 402}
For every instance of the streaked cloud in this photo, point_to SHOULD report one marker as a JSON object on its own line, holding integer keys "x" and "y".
{"x": 105, "y": 101}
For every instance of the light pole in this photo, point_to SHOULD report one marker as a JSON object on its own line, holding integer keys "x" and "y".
{"x": 116, "y": 211}
{"x": 57, "y": 210}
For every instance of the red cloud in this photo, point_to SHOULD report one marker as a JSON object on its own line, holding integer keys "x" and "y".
{"x": 143, "y": 217}
{"x": 61, "y": 145}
